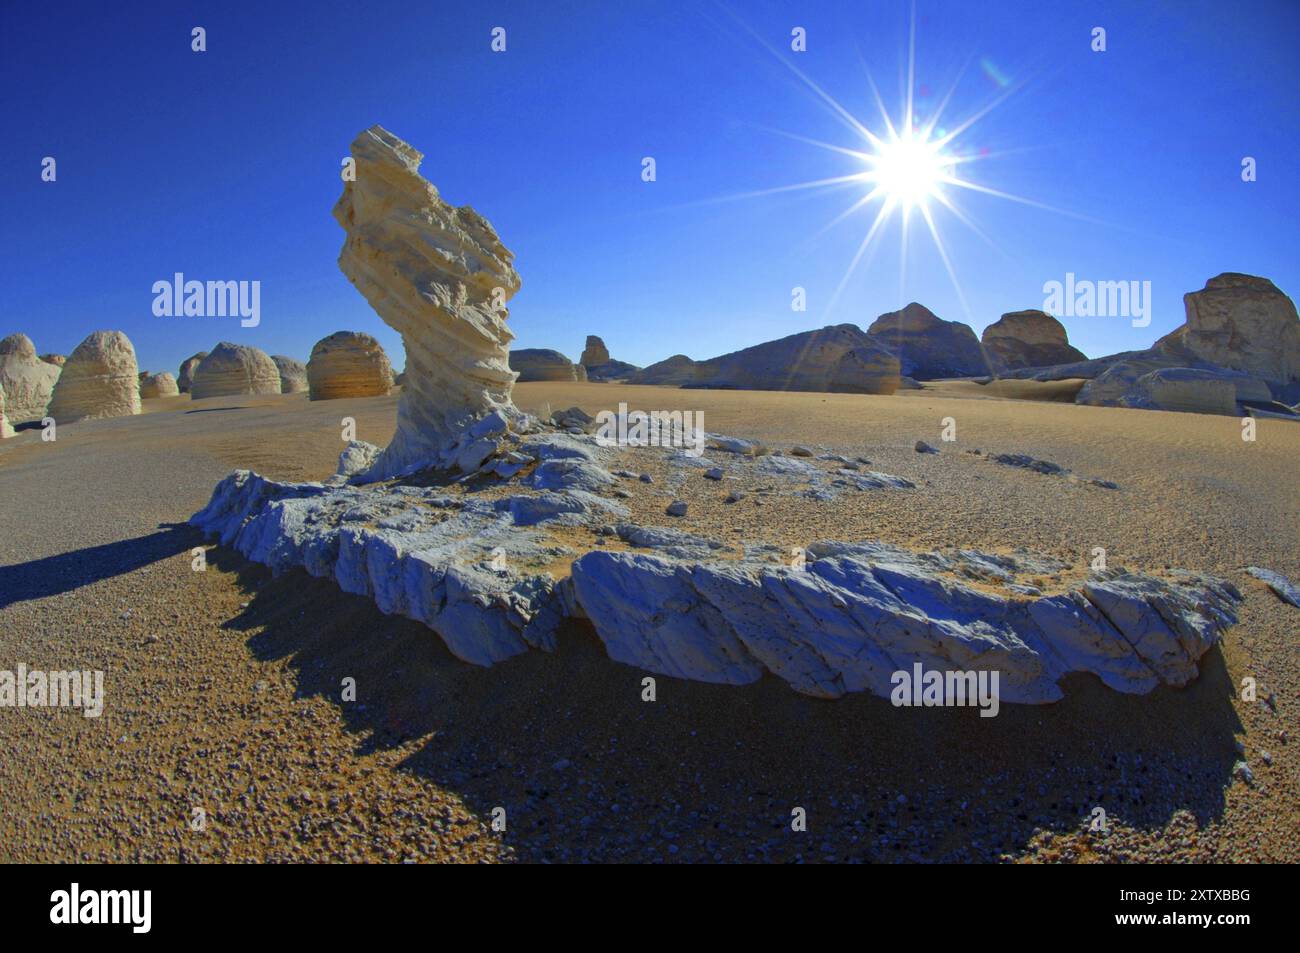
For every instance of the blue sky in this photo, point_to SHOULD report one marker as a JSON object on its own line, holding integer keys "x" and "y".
{"x": 224, "y": 164}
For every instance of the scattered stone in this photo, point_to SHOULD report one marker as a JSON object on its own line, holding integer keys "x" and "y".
{"x": 676, "y": 508}
{"x": 713, "y": 474}
{"x": 735, "y": 496}
{"x": 923, "y": 447}
{"x": 801, "y": 452}
{"x": 1281, "y": 586}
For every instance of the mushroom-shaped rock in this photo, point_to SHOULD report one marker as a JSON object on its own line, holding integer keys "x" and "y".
{"x": 235, "y": 370}
{"x": 28, "y": 381}
{"x": 1242, "y": 323}
{"x": 540, "y": 364}
{"x": 1028, "y": 339}
{"x": 161, "y": 384}
{"x": 101, "y": 379}
{"x": 185, "y": 378}
{"x": 293, "y": 374}
{"x": 348, "y": 364}
{"x": 929, "y": 347}
{"x": 441, "y": 277}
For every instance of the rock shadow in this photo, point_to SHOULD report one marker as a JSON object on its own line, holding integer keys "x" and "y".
{"x": 588, "y": 771}
{"x": 53, "y": 575}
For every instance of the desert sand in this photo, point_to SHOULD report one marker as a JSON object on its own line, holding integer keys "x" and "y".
{"x": 223, "y": 686}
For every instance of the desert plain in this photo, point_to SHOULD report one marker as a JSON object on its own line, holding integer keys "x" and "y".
{"x": 223, "y": 686}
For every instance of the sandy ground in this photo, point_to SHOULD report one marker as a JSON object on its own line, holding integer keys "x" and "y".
{"x": 223, "y": 686}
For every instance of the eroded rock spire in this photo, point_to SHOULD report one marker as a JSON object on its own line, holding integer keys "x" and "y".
{"x": 440, "y": 277}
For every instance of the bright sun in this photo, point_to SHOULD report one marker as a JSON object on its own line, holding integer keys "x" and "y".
{"x": 909, "y": 171}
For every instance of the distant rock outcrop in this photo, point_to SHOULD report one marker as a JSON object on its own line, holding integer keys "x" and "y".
{"x": 1242, "y": 323}
{"x": 928, "y": 347}
{"x": 101, "y": 379}
{"x": 1154, "y": 385}
{"x": 600, "y": 366}
{"x": 441, "y": 277}
{"x": 28, "y": 381}
{"x": 839, "y": 358}
{"x": 1028, "y": 339}
{"x": 185, "y": 377}
{"x": 293, "y": 374}
{"x": 594, "y": 353}
{"x": 235, "y": 370}
{"x": 540, "y": 364}
{"x": 158, "y": 385}
{"x": 348, "y": 364}
{"x": 58, "y": 360}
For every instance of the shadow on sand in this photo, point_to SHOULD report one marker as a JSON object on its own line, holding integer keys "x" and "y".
{"x": 65, "y": 572}
{"x": 588, "y": 771}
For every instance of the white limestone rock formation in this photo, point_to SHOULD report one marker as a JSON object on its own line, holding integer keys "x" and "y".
{"x": 235, "y": 370}
{"x": 348, "y": 364}
{"x": 101, "y": 379}
{"x": 441, "y": 277}
{"x": 483, "y": 574}
{"x": 839, "y": 358}
{"x": 58, "y": 360}
{"x": 929, "y": 347}
{"x": 28, "y": 381}
{"x": 1242, "y": 323}
{"x": 158, "y": 385}
{"x": 595, "y": 352}
{"x": 1023, "y": 339}
{"x": 542, "y": 364}
{"x": 293, "y": 374}
{"x": 5, "y": 429}
{"x": 185, "y": 376}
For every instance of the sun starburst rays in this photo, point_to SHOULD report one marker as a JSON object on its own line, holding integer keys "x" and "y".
{"x": 909, "y": 164}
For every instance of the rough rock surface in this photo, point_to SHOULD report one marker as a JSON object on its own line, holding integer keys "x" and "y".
{"x": 293, "y": 374}
{"x": 1242, "y": 323}
{"x": 1028, "y": 339}
{"x": 5, "y": 429}
{"x": 541, "y": 364}
{"x": 482, "y": 573}
{"x": 441, "y": 277}
{"x": 859, "y": 612}
{"x": 929, "y": 347}
{"x": 594, "y": 353}
{"x": 185, "y": 376}
{"x": 161, "y": 384}
{"x": 101, "y": 379}
{"x": 235, "y": 370}
{"x": 348, "y": 364}
{"x": 28, "y": 381}
{"x": 839, "y": 358}
{"x": 1152, "y": 385}
{"x": 1285, "y": 589}
{"x": 58, "y": 360}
